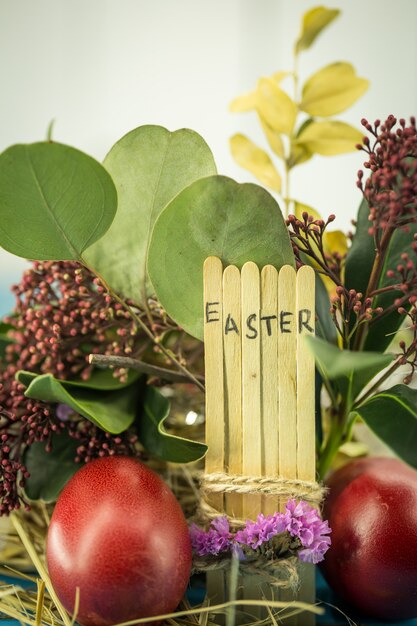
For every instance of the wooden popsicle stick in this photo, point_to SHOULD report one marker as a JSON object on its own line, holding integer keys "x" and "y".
{"x": 269, "y": 379}
{"x": 306, "y": 437}
{"x": 232, "y": 348}
{"x": 287, "y": 346}
{"x": 213, "y": 343}
{"x": 251, "y": 383}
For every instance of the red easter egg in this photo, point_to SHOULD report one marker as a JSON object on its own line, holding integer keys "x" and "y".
{"x": 118, "y": 533}
{"x": 372, "y": 562}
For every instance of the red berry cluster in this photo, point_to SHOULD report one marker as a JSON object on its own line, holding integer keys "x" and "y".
{"x": 391, "y": 188}
{"x": 62, "y": 315}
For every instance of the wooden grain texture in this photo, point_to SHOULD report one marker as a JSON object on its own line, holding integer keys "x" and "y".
{"x": 213, "y": 344}
{"x": 269, "y": 379}
{"x": 251, "y": 383}
{"x": 232, "y": 348}
{"x": 287, "y": 347}
{"x": 306, "y": 436}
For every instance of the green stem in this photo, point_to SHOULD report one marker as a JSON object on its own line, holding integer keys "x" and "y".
{"x": 335, "y": 439}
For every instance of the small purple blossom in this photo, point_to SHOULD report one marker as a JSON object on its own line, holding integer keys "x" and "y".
{"x": 306, "y": 524}
{"x": 217, "y": 539}
{"x": 300, "y": 521}
{"x": 256, "y": 533}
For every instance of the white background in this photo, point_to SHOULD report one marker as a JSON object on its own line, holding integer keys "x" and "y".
{"x": 102, "y": 67}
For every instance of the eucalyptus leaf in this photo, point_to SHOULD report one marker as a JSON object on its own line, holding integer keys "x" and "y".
{"x": 99, "y": 380}
{"x": 392, "y": 416}
{"x": 154, "y": 437}
{"x": 112, "y": 411}
{"x": 50, "y": 471}
{"x": 359, "y": 263}
{"x": 149, "y": 166}
{"x": 214, "y": 216}
{"x": 55, "y": 201}
{"x": 351, "y": 371}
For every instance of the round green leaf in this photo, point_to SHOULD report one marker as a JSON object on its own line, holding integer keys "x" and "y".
{"x": 213, "y": 216}
{"x": 55, "y": 201}
{"x": 149, "y": 166}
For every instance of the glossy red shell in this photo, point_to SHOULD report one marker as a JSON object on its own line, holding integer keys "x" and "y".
{"x": 118, "y": 533}
{"x": 372, "y": 562}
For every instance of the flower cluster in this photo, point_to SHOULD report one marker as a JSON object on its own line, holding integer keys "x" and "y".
{"x": 391, "y": 188}
{"x": 300, "y": 527}
{"x": 62, "y": 315}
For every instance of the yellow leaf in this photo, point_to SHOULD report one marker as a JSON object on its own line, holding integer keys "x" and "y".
{"x": 332, "y": 89}
{"x": 314, "y": 21}
{"x": 275, "y": 106}
{"x": 279, "y": 76}
{"x": 274, "y": 139}
{"x": 256, "y": 161}
{"x": 300, "y": 208}
{"x": 335, "y": 241}
{"x": 329, "y": 138}
{"x": 246, "y": 102}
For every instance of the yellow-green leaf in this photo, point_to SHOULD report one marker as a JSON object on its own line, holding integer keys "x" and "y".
{"x": 243, "y": 103}
{"x": 275, "y": 106}
{"x": 300, "y": 208}
{"x": 329, "y": 138}
{"x": 332, "y": 89}
{"x": 274, "y": 138}
{"x": 335, "y": 241}
{"x": 255, "y": 160}
{"x": 299, "y": 154}
{"x": 314, "y": 21}
{"x": 279, "y": 76}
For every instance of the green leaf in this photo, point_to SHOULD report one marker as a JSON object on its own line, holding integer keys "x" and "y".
{"x": 5, "y": 340}
{"x": 100, "y": 380}
{"x": 332, "y": 89}
{"x": 314, "y": 22}
{"x": 154, "y": 437}
{"x": 361, "y": 254}
{"x": 50, "y": 471}
{"x": 325, "y": 328}
{"x": 112, "y": 411}
{"x": 329, "y": 138}
{"x": 392, "y": 416}
{"x": 255, "y": 160}
{"x": 359, "y": 264}
{"x": 55, "y": 201}
{"x": 214, "y": 216}
{"x": 351, "y": 371}
{"x": 149, "y": 166}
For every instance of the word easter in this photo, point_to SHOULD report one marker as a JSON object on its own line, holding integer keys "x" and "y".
{"x": 286, "y": 321}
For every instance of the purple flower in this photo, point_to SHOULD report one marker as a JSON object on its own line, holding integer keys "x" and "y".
{"x": 305, "y": 523}
{"x": 256, "y": 533}
{"x": 299, "y": 520}
{"x": 217, "y": 539}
